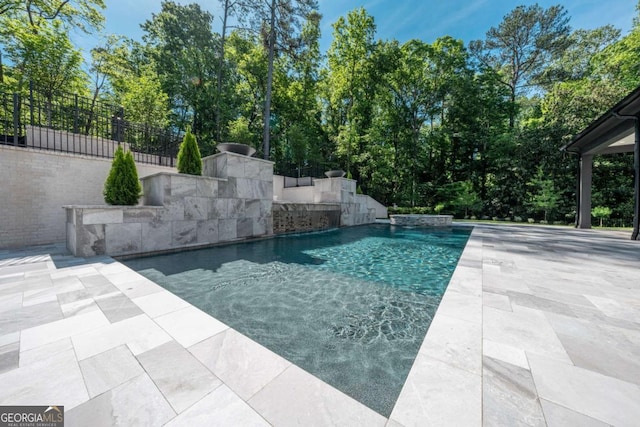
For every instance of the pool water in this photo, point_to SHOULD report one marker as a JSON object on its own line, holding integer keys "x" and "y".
{"x": 351, "y": 306}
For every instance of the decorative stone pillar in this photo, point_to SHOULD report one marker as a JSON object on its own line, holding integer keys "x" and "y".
{"x": 246, "y": 187}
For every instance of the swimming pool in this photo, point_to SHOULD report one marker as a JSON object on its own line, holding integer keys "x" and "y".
{"x": 350, "y": 306}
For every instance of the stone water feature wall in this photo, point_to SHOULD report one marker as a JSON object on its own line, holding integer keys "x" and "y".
{"x": 328, "y": 203}
{"x": 300, "y": 217}
{"x": 233, "y": 201}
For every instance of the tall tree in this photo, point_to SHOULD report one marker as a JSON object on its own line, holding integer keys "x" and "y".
{"x": 521, "y": 46}
{"x": 34, "y": 16}
{"x": 295, "y": 102}
{"x": 279, "y": 22}
{"x": 349, "y": 72}
{"x": 143, "y": 100}
{"x": 183, "y": 49}
{"x": 248, "y": 60}
{"x": 230, "y": 8}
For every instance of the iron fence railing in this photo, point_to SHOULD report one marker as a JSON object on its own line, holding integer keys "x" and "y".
{"x": 75, "y": 124}
{"x": 313, "y": 171}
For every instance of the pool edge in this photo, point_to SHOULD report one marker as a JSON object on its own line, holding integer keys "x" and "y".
{"x": 449, "y": 362}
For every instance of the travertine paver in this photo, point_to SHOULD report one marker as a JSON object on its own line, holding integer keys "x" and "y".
{"x": 181, "y": 378}
{"x": 99, "y": 374}
{"x": 241, "y": 363}
{"x": 295, "y": 398}
{"x": 539, "y": 326}
{"x": 568, "y": 352}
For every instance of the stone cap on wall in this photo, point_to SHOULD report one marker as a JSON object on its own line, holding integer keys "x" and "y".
{"x": 186, "y": 175}
{"x": 228, "y": 153}
{"x": 104, "y": 207}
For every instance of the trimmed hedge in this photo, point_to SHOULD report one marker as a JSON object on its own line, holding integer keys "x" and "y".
{"x": 422, "y": 210}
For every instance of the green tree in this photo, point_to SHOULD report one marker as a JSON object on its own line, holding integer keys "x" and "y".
{"x": 183, "y": 49}
{"x": 82, "y": 14}
{"x": 466, "y": 198}
{"x": 122, "y": 186}
{"x": 577, "y": 61}
{"x": 36, "y": 16}
{"x": 544, "y": 196}
{"x": 144, "y": 100}
{"x": 349, "y": 79}
{"x": 601, "y": 212}
{"x": 239, "y": 131}
{"x": 189, "y": 160}
{"x": 47, "y": 58}
{"x": 248, "y": 71}
{"x": 297, "y": 136}
{"x": 522, "y": 45}
{"x": 277, "y": 21}
{"x": 230, "y": 8}
{"x": 619, "y": 60}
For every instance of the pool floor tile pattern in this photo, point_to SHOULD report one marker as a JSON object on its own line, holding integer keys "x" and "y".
{"x": 539, "y": 326}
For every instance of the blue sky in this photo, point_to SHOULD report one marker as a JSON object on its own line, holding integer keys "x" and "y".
{"x": 395, "y": 19}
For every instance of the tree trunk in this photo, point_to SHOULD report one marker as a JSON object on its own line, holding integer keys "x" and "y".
{"x": 267, "y": 101}
{"x": 220, "y": 67}
{"x": 512, "y": 113}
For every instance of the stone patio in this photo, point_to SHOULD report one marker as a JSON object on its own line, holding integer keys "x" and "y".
{"x": 539, "y": 326}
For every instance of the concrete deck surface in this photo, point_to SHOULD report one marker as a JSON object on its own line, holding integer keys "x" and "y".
{"x": 539, "y": 326}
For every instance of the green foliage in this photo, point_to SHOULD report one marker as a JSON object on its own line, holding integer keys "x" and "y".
{"x": 526, "y": 40}
{"x": 466, "y": 130}
{"x": 46, "y": 57}
{"x": 239, "y": 131}
{"x": 618, "y": 60}
{"x": 409, "y": 210}
{"x": 544, "y": 195}
{"x": 189, "y": 160}
{"x": 122, "y": 186}
{"x": 84, "y": 15}
{"x": 182, "y": 48}
{"x": 601, "y": 212}
{"x": 143, "y": 99}
{"x": 466, "y": 198}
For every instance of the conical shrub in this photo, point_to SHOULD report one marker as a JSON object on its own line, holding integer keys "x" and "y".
{"x": 122, "y": 186}
{"x": 189, "y": 160}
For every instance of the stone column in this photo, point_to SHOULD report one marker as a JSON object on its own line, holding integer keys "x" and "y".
{"x": 584, "y": 210}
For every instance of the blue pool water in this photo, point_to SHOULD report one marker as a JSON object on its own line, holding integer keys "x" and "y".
{"x": 351, "y": 306}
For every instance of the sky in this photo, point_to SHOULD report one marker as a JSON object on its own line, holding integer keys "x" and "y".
{"x": 402, "y": 20}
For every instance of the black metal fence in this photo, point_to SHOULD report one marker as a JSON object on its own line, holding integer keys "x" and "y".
{"x": 313, "y": 171}
{"x": 75, "y": 124}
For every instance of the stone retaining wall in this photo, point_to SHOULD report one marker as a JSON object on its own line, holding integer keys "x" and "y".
{"x": 35, "y": 184}
{"x": 181, "y": 211}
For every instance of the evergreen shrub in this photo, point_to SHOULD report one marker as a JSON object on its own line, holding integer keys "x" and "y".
{"x": 122, "y": 186}
{"x": 189, "y": 159}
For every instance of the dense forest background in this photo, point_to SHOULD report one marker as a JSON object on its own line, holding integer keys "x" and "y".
{"x": 473, "y": 129}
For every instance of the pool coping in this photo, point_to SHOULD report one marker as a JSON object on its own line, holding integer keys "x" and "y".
{"x": 449, "y": 361}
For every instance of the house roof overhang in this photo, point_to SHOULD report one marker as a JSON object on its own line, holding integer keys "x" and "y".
{"x": 613, "y": 132}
